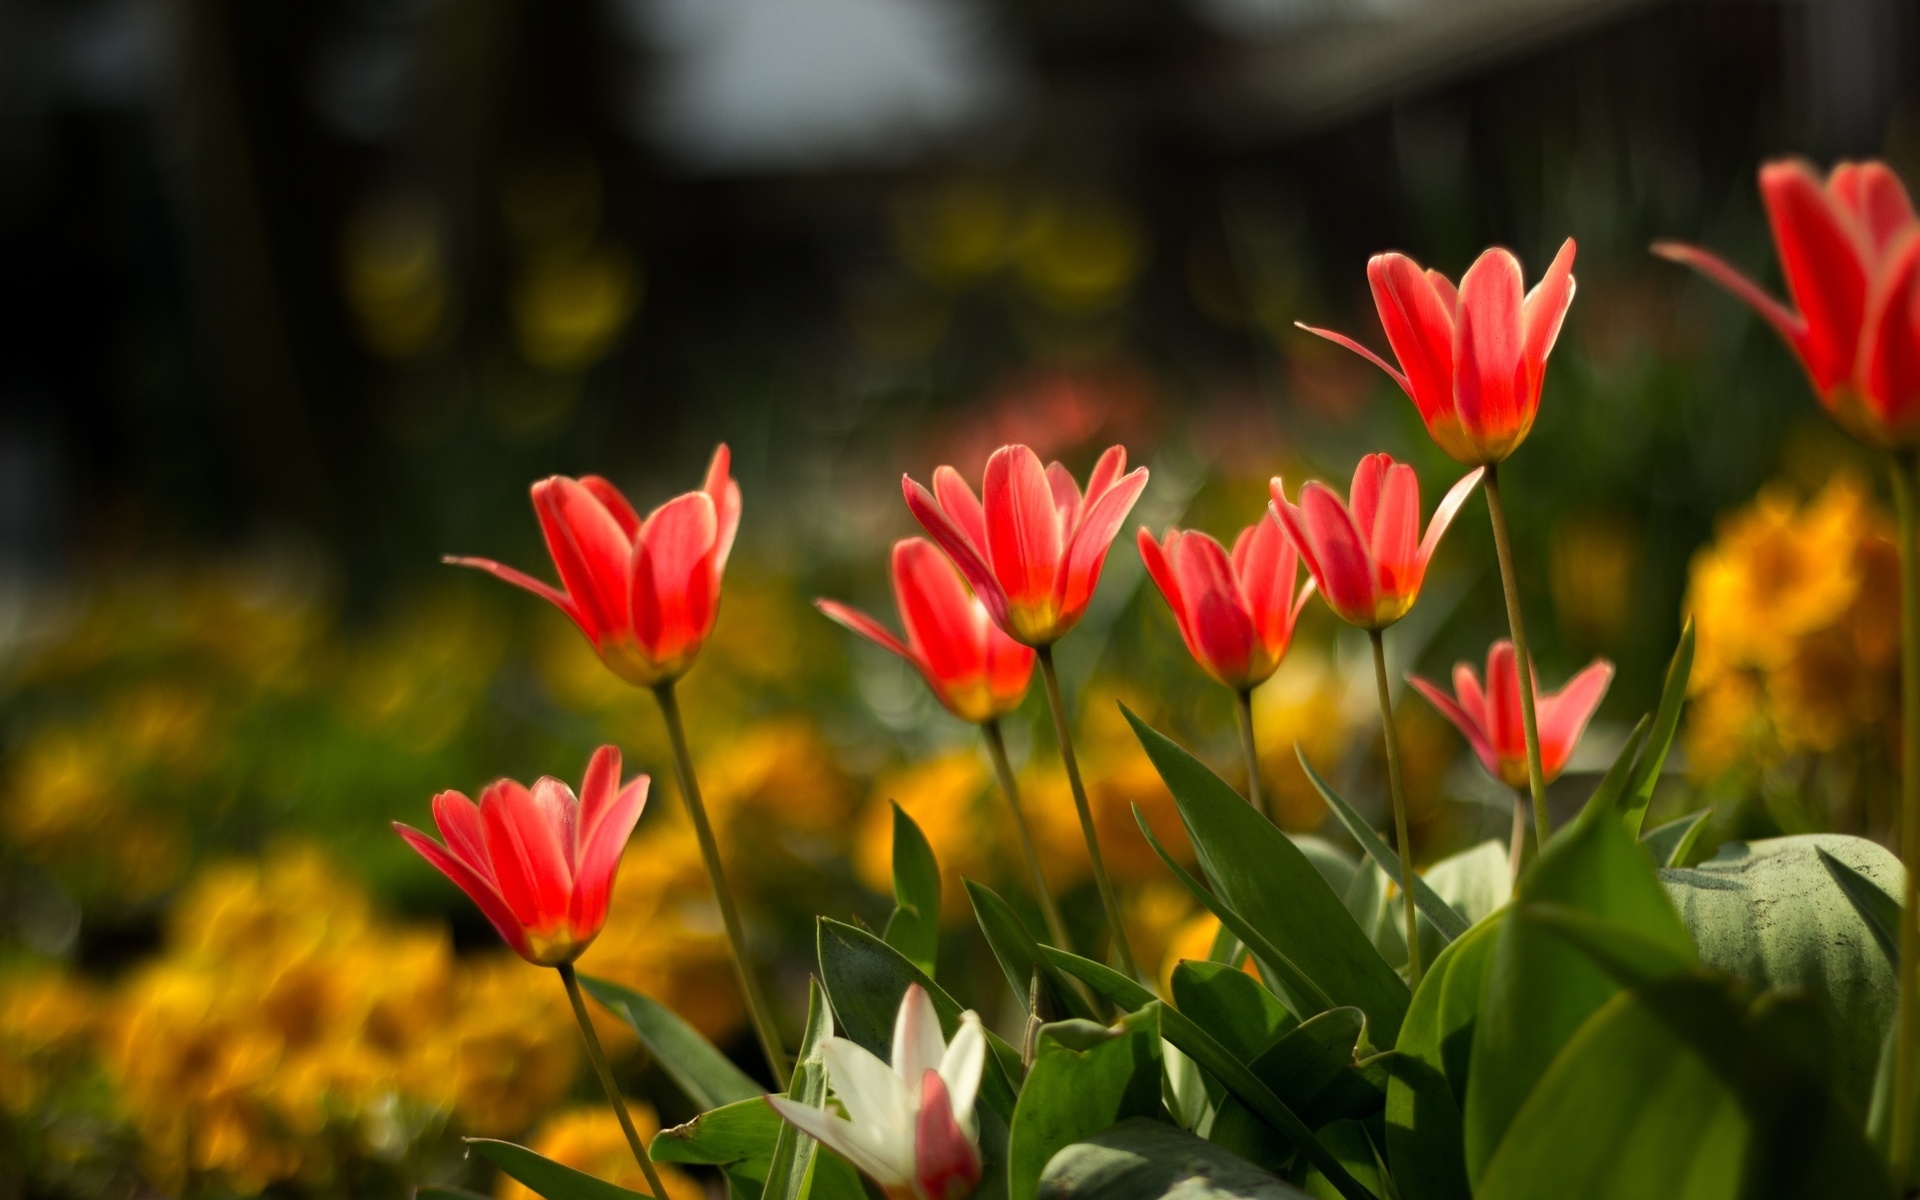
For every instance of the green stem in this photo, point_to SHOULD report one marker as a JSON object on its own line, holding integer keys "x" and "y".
{"x": 757, "y": 1010}
{"x": 1010, "y": 788}
{"x": 600, "y": 1067}
{"x": 1244, "y": 709}
{"x": 1517, "y": 844}
{"x": 1510, "y": 583}
{"x": 1067, "y": 759}
{"x": 1908, "y": 1039}
{"x": 1402, "y": 842}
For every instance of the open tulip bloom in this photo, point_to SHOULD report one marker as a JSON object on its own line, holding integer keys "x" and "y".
{"x": 538, "y": 862}
{"x": 1472, "y": 358}
{"x": 1850, "y": 251}
{"x": 978, "y": 672}
{"x": 1030, "y": 544}
{"x": 908, "y": 1125}
{"x": 1367, "y": 556}
{"x": 645, "y": 593}
{"x": 1236, "y": 614}
{"x": 1489, "y": 717}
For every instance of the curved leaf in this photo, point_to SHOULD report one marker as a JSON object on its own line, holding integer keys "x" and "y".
{"x": 707, "y": 1076}
{"x": 1230, "y": 1004}
{"x": 1019, "y": 957}
{"x": 1670, "y": 844}
{"x": 1148, "y": 1160}
{"x": 547, "y": 1178}
{"x": 914, "y": 927}
{"x": 1085, "y": 1078}
{"x": 1666, "y": 722}
{"x": 1428, "y": 1085}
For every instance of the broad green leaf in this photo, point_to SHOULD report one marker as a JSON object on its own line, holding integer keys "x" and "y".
{"x": 1335, "y": 865}
{"x": 1879, "y": 910}
{"x": 1110, "y": 985}
{"x": 704, "y": 1074}
{"x": 742, "y": 1132}
{"x": 1366, "y": 901}
{"x": 1666, "y": 722}
{"x": 1428, "y": 1084}
{"x": 1449, "y": 922}
{"x": 1474, "y": 882}
{"x": 1148, "y": 1160}
{"x": 1019, "y": 957}
{"x": 1682, "y": 1088}
{"x": 1542, "y": 986}
{"x": 1300, "y": 1068}
{"x": 914, "y": 927}
{"x": 1260, "y": 874}
{"x": 1303, "y": 992}
{"x": 1611, "y": 795}
{"x": 865, "y": 979}
{"x": 1350, "y": 1144}
{"x": 1671, "y": 843}
{"x": 1230, "y": 1004}
{"x": 1085, "y": 1078}
{"x": 1239, "y": 1079}
{"x": 795, "y": 1169}
{"x": 1771, "y": 913}
{"x": 546, "y": 1177}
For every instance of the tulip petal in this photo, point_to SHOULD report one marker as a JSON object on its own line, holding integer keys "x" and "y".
{"x": 962, "y": 507}
{"x": 945, "y": 1164}
{"x": 872, "y": 1094}
{"x": 1009, "y": 664}
{"x": 865, "y": 626}
{"x": 481, "y": 891}
{"x": 1266, "y": 566}
{"x": 1293, "y": 523}
{"x": 1341, "y": 339}
{"x": 1821, "y": 258}
{"x": 1450, "y": 505}
{"x": 1107, "y": 471}
{"x": 521, "y": 579}
{"x": 1563, "y": 717}
{"x": 1784, "y": 320}
{"x": 1489, "y": 348}
{"x": 675, "y": 597}
{"x": 616, "y": 504}
{"x": 962, "y": 1065}
{"x": 528, "y": 863}
{"x": 1464, "y": 721}
{"x": 1503, "y": 726}
{"x": 588, "y": 549}
{"x": 1345, "y": 572}
{"x": 1066, "y": 496}
{"x": 597, "y": 789}
{"x": 1087, "y": 553}
{"x": 600, "y": 848}
{"x": 1466, "y": 688}
{"x": 1363, "y": 497}
{"x": 458, "y": 820}
{"x": 917, "y": 1041}
{"x": 1222, "y": 635}
{"x": 1155, "y": 558}
{"x": 938, "y": 613}
{"x": 1876, "y": 198}
{"x": 844, "y": 1139}
{"x": 1891, "y": 370}
{"x": 1544, "y": 311}
{"x": 1419, "y": 324}
{"x": 1393, "y": 542}
{"x": 1023, "y": 527}
{"x": 725, "y": 494}
{"x": 951, "y": 537}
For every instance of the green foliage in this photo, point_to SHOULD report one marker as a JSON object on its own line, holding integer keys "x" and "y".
{"x": 1085, "y": 1078}
{"x": 546, "y": 1177}
{"x": 1305, "y": 1069}
{"x": 1145, "y": 1160}
{"x": 795, "y": 1168}
{"x": 1231, "y": 1005}
{"x": 1428, "y": 1086}
{"x": 914, "y": 927}
{"x": 1772, "y": 913}
{"x": 1020, "y": 957}
{"x": 1673, "y": 843}
{"x": 1666, "y": 723}
{"x": 735, "y": 1137}
{"x": 707, "y": 1076}
{"x": 1258, "y": 873}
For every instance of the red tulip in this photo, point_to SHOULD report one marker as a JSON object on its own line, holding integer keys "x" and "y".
{"x": 1851, "y": 257}
{"x": 1368, "y": 558}
{"x": 1235, "y": 614}
{"x": 978, "y": 672}
{"x": 1490, "y": 719}
{"x": 644, "y": 592}
{"x": 1032, "y": 546}
{"x": 539, "y": 863}
{"x": 1472, "y": 360}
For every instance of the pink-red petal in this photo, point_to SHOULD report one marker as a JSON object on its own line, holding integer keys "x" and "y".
{"x": 479, "y": 890}
{"x": 1822, "y": 260}
{"x": 1024, "y": 542}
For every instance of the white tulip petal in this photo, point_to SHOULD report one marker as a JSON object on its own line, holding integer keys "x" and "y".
{"x": 917, "y": 1040}
{"x": 868, "y": 1089}
{"x": 840, "y": 1136}
{"x": 960, "y": 1068}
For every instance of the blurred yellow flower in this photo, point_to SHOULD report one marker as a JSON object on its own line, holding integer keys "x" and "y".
{"x": 589, "y": 1139}
{"x": 778, "y": 774}
{"x": 1306, "y": 702}
{"x": 943, "y": 795}
{"x": 46, "y": 1020}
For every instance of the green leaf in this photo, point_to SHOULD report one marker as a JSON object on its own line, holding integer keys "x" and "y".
{"x": 1611, "y": 795}
{"x": 1147, "y": 1160}
{"x": 1671, "y": 843}
{"x": 1125, "y": 994}
{"x": 546, "y": 1177}
{"x": 1771, "y": 913}
{"x": 1245, "y": 1017}
{"x": 1239, "y": 1079}
{"x": 1085, "y": 1078}
{"x": 1666, "y": 721}
{"x": 1682, "y": 1088}
{"x": 865, "y": 979}
{"x": 1258, "y": 872}
{"x": 1350, "y": 1144}
{"x": 1303, "y": 993}
{"x": 700, "y": 1071}
{"x": 1335, "y": 865}
{"x": 1473, "y": 882}
{"x": 1300, "y": 1068}
{"x": 1879, "y": 910}
{"x": 1542, "y": 986}
{"x": 742, "y": 1132}
{"x": 1427, "y": 1087}
{"x": 1450, "y": 923}
{"x": 1019, "y": 957}
{"x": 795, "y": 1169}
{"x": 914, "y": 927}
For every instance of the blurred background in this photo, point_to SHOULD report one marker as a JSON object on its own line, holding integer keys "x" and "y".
{"x": 299, "y": 297}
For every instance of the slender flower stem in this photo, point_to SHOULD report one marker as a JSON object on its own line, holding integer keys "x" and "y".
{"x": 1402, "y": 842}
{"x": 1067, "y": 759}
{"x": 1907, "y": 1043}
{"x": 757, "y": 1010}
{"x": 1010, "y": 788}
{"x": 1244, "y": 707}
{"x": 1517, "y": 845}
{"x": 605, "y": 1072}
{"x": 1510, "y": 583}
